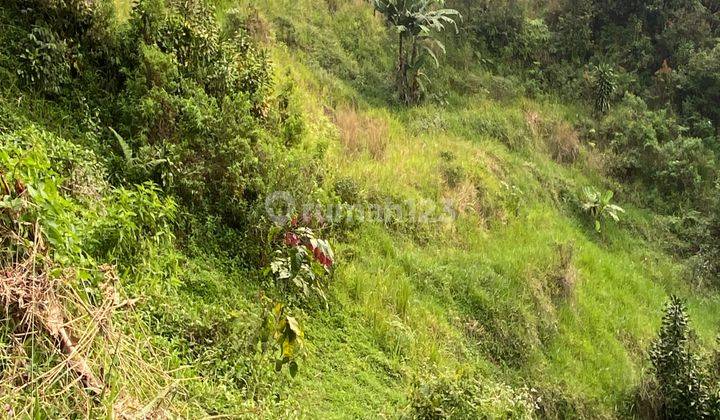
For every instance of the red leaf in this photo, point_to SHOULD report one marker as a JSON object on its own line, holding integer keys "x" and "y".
{"x": 291, "y": 239}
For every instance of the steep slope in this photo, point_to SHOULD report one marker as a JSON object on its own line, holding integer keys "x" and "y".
{"x": 467, "y": 276}
{"x": 519, "y": 289}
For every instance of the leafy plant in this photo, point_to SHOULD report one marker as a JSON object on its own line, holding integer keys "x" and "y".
{"x": 683, "y": 385}
{"x": 604, "y": 85}
{"x": 45, "y": 62}
{"x": 303, "y": 264}
{"x": 600, "y": 206}
{"x": 651, "y": 146}
{"x": 414, "y": 21}
{"x": 283, "y": 333}
{"x": 136, "y": 168}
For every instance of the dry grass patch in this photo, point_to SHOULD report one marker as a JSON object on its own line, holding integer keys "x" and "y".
{"x": 361, "y": 133}
{"x": 60, "y": 344}
{"x": 561, "y": 139}
{"x": 463, "y": 198}
{"x": 564, "y": 143}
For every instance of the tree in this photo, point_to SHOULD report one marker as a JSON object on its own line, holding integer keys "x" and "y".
{"x": 415, "y": 22}
{"x": 604, "y": 85}
{"x": 682, "y": 382}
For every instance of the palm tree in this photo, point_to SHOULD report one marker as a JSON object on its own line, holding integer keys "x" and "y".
{"x": 415, "y": 21}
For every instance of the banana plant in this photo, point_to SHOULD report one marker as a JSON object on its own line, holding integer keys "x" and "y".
{"x": 600, "y": 206}
{"x": 416, "y": 22}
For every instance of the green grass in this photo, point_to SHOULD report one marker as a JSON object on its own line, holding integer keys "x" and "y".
{"x": 414, "y": 301}
{"x": 409, "y": 300}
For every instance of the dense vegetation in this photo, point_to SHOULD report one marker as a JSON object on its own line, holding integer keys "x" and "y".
{"x": 341, "y": 208}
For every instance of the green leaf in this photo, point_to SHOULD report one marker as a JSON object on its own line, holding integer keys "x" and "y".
{"x": 294, "y": 326}
{"x": 293, "y": 368}
{"x": 124, "y": 147}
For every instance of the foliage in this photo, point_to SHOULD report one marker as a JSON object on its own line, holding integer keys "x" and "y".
{"x": 167, "y": 131}
{"x": 599, "y": 206}
{"x": 650, "y": 146}
{"x": 604, "y": 86}
{"x": 178, "y": 100}
{"x": 464, "y": 396}
{"x": 134, "y": 220}
{"x": 45, "y": 61}
{"x": 683, "y": 385}
{"x": 705, "y": 234}
{"x": 303, "y": 265}
{"x": 29, "y": 174}
{"x": 414, "y": 22}
{"x": 699, "y": 86}
{"x": 503, "y": 33}
{"x": 283, "y": 333}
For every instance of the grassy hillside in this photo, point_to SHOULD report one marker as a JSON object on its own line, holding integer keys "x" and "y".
{"x": 485, "y": 282}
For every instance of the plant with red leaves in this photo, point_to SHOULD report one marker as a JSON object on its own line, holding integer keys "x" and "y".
{"x": 302, "y": 264}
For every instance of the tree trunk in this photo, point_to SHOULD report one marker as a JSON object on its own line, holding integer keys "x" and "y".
{"x": 412, "y": 79}
{"x": 401, "y": 77}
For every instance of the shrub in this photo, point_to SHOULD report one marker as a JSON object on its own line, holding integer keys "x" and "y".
{"x": 503, "y": 30}
{"x": 198, "y": 114}
{"x": 704, "y": 234}
{"x": 133, "y": 220}
{"x": 604, "y": 85}
{"x": 302, "y": 264}
{"x": 347, "y": 190}
{"x": 699, "y": 86}
{"x": 284, "y": 334}
{"x": 649, "y": 146}
{"x": 285, "y": 32}
{"x": 453, "y": 174}
{"x": 688, "y": 166}
{"x": 292, "y": 125}
{"x": 45, "y": 60}
{"x": 465, "y": 397}
{"x": 502, "y": 88}
{"x": 682, "y": 383}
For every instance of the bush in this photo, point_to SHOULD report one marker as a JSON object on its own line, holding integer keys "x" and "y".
{"x": 133, "y": 220}
{"x": 649, "y": 146}
{"x": 465, "y": 397}
{"x": 705, "y": 237}
{"x": 45, "y": 61}
{"x": 604, "y": 85}
{"x": 198, "y": 113}
{"x": 683, "y": 385}
{"x": 699, "y": 86}
{"x": 503, "y": 30}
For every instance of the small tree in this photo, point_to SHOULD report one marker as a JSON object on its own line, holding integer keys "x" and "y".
{"x": 683, "y": 384}
{"x": 415, "y": 21}
{"x": 604, "y": 85}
